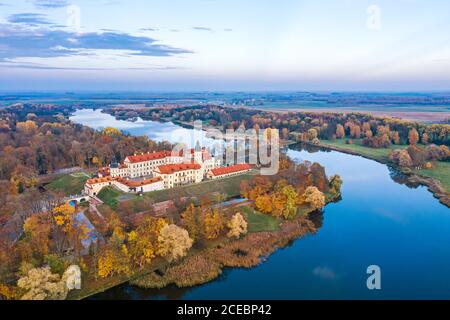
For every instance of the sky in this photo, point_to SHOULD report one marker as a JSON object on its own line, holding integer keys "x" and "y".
{"x": 225, "y": 45}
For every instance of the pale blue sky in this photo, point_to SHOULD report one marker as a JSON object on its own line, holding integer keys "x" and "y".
{"x": 225, "y": 45}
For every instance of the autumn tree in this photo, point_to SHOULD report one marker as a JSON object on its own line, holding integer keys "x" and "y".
{"x": 113, "y": 260}
{"x": 213, "y": 223}
{"x": 68, "y": 230}
{"x": 290, "y": 201}
{"x": 143, "y": 242}
{"x": 314, "y": 197}
{"x": 191, "y": 221}
{"x": 368, "y": 134}
{"x": 264, "y": 204}
{"x": 340, "y": 131}
{"x": 237, "y": 226}
{"x": 404, "y": 159}
{"x": 42, "y": 284}
{"x": 425, "y": 138}
{"x": 285, "y": 133}
{"x": 37, "y": 230}
{"x": 413, "y": 137}
{"x": 335, "y": 184}
{"x": 174, "y": 242}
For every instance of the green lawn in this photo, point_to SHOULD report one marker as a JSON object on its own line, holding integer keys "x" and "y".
{"x": 380, "y": 154}
{"x": 440, "y": 172}
{"x": 69, "y": 184}
{"x": 110, "y": 196}
{"x": 258, "y": 222}
{"x": 229, "y": 186}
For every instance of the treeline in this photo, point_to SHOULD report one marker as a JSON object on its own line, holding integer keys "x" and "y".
{"x": 297, "y": 189}
{"x": 37, "y": 141}
{"x": 327, "y": 125}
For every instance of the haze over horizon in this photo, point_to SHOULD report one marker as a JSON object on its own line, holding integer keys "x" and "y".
{"x": 213, "y": 45}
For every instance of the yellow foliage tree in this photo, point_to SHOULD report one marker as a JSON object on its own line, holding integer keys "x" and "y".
{"x": 191, "y": 221}
{"x": 213, "y": 223}
{"x": 113, "y": 260}
{"x": 237, "y": 225}
{"x": 42, "y": 284}
{"x": 264, "y": 204}
{"x": 174, "y": 242}
{"x": 112, "y": 132}
{"x": 64, "y": 216}
{"x": 314, "y": 197}
{"x": 143, "y": 242}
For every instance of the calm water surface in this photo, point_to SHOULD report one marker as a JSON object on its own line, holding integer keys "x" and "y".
{"x": 378, "y": 221}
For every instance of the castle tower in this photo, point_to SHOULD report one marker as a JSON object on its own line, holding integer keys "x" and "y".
{"x": 198, "y": 158}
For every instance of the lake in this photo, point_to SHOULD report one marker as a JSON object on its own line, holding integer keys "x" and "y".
{"x": 404, "y": 230}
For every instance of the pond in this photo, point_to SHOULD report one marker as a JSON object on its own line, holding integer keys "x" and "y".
{"x": 379, "y": 221}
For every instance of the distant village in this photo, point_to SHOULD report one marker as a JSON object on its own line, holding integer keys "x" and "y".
{"x": 162, "y": 170}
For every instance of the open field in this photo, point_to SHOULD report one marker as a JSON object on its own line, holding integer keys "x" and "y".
{"x": 259, "y": 222}
{"x": 440, "y": 172}
{"x": 69, "y": 184}
{"x": 435, "y": 115}
{"x": 380, "y": 154}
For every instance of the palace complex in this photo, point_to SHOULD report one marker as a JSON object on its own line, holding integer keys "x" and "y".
{"x": 153, "y": 171}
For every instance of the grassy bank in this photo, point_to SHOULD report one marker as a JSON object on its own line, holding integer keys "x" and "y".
{"x": 110, "y": 196}
{"x": 440, "y": 172}
{"x": 379, "y": 154}
{"x": 259, "y": 222}
{"x": 69, "y": 184}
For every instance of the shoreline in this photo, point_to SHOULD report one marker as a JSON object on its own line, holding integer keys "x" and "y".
{"x": 247, "y": 252}
{"x": 433, "y": 185}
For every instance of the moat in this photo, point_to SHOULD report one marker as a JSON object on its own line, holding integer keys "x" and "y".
{"x": 379, "y": 221}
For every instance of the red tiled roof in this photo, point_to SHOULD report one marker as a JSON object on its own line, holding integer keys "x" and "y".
{"x": 171, "y": 168}
{"x": 148, "y": 156}
{"x": 231, "y": 169}
{"x": 99, "y": 180}
{"x": 138, "y": 183}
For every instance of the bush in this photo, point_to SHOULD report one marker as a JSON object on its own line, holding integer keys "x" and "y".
{"x": 56, "y": 263}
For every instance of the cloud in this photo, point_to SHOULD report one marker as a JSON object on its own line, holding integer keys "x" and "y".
{"x": 35, "y": 66}
{"x": 227, "y": 29}
{"x": 31, "y": 19}
{"x": 149, "y": 29}
{"x": 325, "y": 273}
{"x": 19, "y": 42}
{"x": 50, "y": 4}
{"x": 202, "y": 29}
